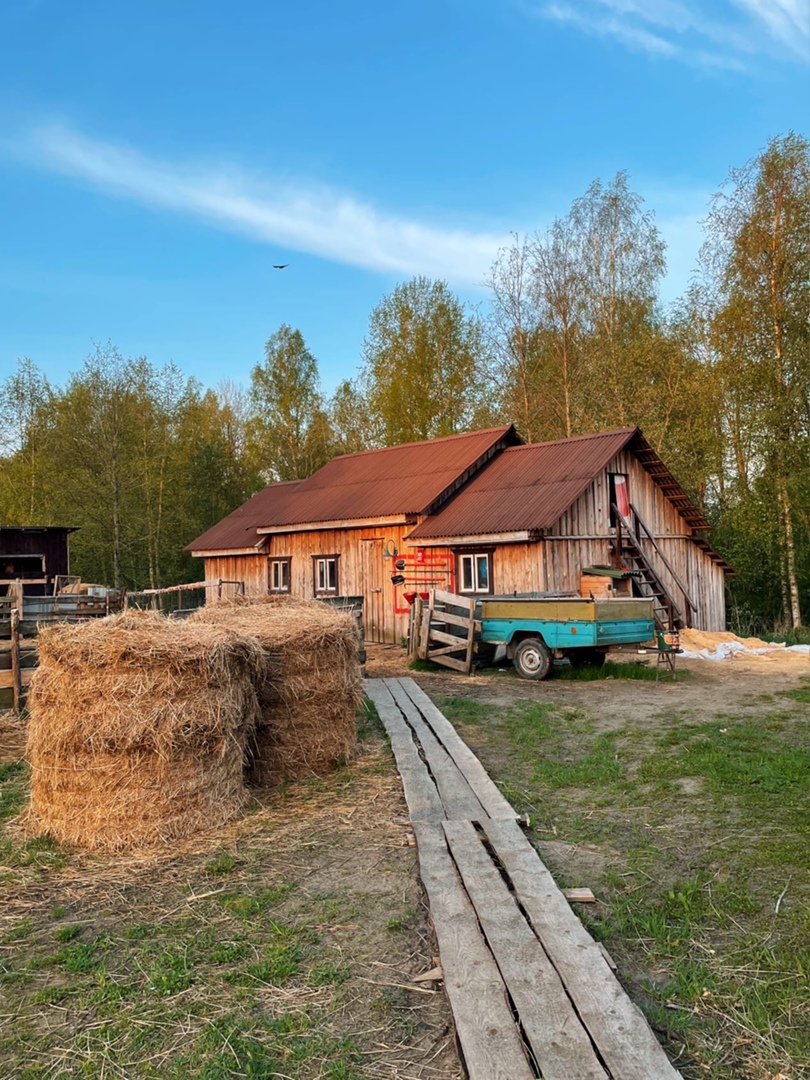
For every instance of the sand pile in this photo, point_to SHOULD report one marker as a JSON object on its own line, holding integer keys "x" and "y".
{"x": 138, "y": 728}
{"x": 749, "y": 654}
{"x": 311, "y": 684}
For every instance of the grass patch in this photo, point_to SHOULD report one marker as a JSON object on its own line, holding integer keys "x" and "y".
{"x": 426, "y": 665}
{"x": 798, "y": 636}
{"x": 700, "y": 831}
{"x": 461, "y": 710}
{"x": 611, "y": 669}
{"x": 13, "y": 788}
{"x": 801, "y": 693}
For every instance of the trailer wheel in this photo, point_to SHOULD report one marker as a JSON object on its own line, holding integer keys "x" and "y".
{"x": 586, "y": 658}
{"x": 532, "y": 659}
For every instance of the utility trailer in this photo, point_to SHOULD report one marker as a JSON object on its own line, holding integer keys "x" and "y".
{"x": 536, "y": 631}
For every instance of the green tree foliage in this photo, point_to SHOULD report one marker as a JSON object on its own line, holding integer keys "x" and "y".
{"x": 756, "y": 300}
{"x": 143, "y": 459}
{"x": 422, "y": 373}
{"x": 289, "y": 431}
{"x": 133, "y": 455}
{"x": 578, "y": 340}
{"x": 25, "y": 400}
{"x": 348, "y": 418}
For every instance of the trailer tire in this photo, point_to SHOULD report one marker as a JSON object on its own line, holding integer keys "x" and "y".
{"x": 586, "y": 658}
{"x": 532, "y": 659}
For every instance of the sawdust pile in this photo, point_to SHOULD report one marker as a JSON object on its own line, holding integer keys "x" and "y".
{"x": 311, "y": 684}
{"x": 744, "y": 653}
{"x": 138, "y": 728}
{"x": 695, "y": 640}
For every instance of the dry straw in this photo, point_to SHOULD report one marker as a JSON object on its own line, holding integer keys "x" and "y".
{"x": 138, "y": 728}
{"x": 311, "y": 685}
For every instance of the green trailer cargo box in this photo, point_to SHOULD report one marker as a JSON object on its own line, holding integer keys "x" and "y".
{"x": 534, "y": 631}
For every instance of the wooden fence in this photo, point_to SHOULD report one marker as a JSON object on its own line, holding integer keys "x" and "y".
{"x": 156, "y": 598}
{"x": 18, "y": 659}
{"x": 444, "y": 630}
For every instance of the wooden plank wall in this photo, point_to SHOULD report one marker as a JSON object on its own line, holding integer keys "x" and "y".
{"x": 352, "y": 545}
{"x": 589, "y": 518}
{"x": 553, "y": 564}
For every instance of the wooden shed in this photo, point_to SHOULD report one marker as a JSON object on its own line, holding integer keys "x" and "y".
{"x": 36, "y": 555}
{"x": 482, "y": 514}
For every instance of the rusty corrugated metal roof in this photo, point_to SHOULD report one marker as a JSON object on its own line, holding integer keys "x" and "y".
{"x": 526, "y": 488}
{"x": 397, "y": 480}
{"x": 238, "y": 530}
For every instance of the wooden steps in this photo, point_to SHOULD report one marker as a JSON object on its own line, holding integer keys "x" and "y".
{"x": 532, "y": 993}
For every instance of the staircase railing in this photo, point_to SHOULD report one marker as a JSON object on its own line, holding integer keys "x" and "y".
{"x": 656, "y": 585}
{"x": 691, "y": 606}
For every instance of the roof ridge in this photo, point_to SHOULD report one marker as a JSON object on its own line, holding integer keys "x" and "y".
{"x": 503, "y": 428}
{"x": 628, "y": 430}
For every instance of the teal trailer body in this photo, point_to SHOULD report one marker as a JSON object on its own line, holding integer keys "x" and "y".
{"x": 534, "y": 630}
{"x": 565, "y": 635}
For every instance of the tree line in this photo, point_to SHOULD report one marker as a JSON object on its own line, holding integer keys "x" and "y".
{"x": 573, "y": 338}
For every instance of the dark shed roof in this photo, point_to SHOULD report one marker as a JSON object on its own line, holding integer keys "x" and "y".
{"x": 527, "y": 488}
{"x": 237, "y": 531}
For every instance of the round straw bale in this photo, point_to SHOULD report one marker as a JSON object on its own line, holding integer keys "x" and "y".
{"x": 310, "y": 687}
{"x": 138, "y": 727}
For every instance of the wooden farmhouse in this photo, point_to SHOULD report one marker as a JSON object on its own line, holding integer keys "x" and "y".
{"x": 480, "y": 513}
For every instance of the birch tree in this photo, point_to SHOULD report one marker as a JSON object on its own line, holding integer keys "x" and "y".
{"x": 758, "y": 255}
{"x": 423, "y": 365}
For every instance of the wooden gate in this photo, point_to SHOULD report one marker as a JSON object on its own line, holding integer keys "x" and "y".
{"x": 444, "y": 629}
{"x": 373, "y": 585}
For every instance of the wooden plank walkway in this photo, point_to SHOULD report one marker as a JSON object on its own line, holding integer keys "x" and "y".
{"x": 531, "y": 992}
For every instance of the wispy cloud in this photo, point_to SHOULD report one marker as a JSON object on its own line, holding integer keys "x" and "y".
{"x": 703, "y": 33}
{"x": 315, "y": 220}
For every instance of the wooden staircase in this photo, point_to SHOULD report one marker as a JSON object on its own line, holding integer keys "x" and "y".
{"x": 639, "y": 551}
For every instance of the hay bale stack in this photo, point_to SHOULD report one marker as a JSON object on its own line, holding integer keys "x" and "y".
{"x": 310, "y": 688}
{"x": 138, "y": 727}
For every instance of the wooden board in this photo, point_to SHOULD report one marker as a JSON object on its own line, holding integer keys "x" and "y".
{"x": 558, "y": 1040}
{"x": 493, "y": 802}
{"x": 421, "y": 795}
{"x": 457, "y": 796}
{"x": 489, "y": 1038}
{"x": 623, "y": 1038}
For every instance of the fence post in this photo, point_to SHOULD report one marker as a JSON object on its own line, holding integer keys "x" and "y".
{"x": 16, "y": 675}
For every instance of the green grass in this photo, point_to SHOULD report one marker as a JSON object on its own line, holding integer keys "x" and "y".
{"x": 799, "y": 636}
{"x": 704, "y": 823}
{"x": 609, "y": 670}
{"x": 801, "y": 694}
{"x": 13, "y": 788}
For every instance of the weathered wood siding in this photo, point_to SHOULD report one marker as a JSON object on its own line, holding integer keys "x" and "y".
{"x": 589, "y": 521}
{"x": 580, "y": 538}
{"x": 363, "y": 570}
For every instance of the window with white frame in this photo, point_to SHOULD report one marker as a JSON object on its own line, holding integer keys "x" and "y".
{"x": 278, "y": 576}
{"x": 326, "y": 573}
{"x": 474, "y": 572}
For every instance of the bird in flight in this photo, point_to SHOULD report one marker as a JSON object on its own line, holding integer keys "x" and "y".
{"x": 280, "y": 266}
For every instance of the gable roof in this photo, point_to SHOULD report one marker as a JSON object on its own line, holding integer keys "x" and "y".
{"x": 237, "y": 531}
{"x": 396, "y": 481}
{"x": 526, "y": 488}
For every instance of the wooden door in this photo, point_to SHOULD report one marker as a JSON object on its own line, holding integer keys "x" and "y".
{"x": 373, "y": 585}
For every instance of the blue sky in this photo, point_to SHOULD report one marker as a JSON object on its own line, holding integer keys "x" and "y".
{"x": 157, "y": 158}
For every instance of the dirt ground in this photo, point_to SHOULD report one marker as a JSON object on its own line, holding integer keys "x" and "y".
{"x": 711, "y": 686}
{"x": 341, "y": 845}
{"x": 336, "y": 852}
